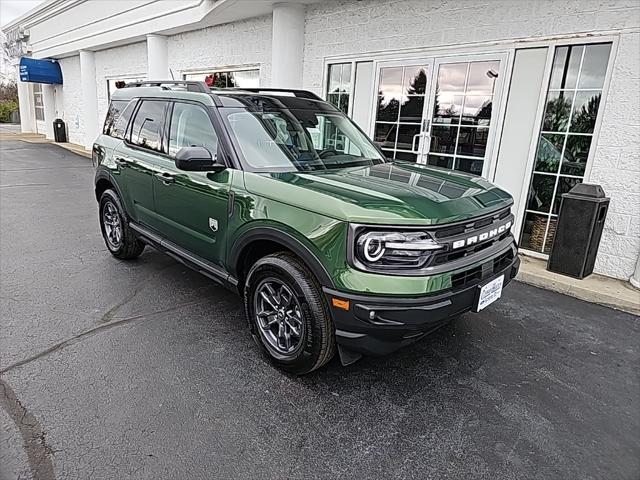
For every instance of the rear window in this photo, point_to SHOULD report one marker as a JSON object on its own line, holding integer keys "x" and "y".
{"x": 115, "y": 110}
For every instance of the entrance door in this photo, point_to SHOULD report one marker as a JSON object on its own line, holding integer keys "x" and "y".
{"x": 440, "y": 110}
{"x": 401, "y": 90}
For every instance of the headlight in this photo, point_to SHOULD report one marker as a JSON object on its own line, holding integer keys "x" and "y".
{"x": 380, "y": 250}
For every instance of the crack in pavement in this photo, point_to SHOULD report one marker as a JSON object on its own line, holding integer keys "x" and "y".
{"x": 93, "y": 331}
{"x": 33, "y": 436}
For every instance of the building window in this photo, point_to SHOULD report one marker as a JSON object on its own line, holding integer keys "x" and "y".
{"x": 115, "y": 83}
{"x": 240, "y": 78}
{"x": 339, "y": 86}
{"x": 38, "y": 102}
{"x": 565, "y": 140}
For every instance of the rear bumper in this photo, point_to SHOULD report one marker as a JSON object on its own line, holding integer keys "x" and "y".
{"x": 378, "y": 325}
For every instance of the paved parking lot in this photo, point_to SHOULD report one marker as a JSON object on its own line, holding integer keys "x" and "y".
{"x": 145, "y": 370}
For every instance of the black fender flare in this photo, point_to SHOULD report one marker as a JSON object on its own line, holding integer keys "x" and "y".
{"x": 288, "y": 241}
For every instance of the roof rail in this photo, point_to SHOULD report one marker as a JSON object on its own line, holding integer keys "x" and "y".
{"x": 189, "y": 85}
{"x": 295, "y": 92}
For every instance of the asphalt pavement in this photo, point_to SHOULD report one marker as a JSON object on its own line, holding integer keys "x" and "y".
{"x": 146, "y": 370}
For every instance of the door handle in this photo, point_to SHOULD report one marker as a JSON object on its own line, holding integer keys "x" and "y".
{"x": 165, "y": 178}
{"x": 121, "y": 162}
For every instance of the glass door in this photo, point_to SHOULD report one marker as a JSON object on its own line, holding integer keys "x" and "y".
{"x": 401, "y": 89}
{"x": 462, "y": 117}
{"x": 439, "y": 110}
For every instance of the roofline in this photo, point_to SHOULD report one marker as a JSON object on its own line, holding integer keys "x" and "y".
{"x": 41, "y": 9}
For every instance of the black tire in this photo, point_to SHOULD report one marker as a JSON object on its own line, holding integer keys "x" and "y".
{"x": 317, "y": 344}
{"x": 128, "y": 245}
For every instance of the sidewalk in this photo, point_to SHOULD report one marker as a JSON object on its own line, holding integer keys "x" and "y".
{"x": 12, "y": 132}
{"x": 595, "y": 288}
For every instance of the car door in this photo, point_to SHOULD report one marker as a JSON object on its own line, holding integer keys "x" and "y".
{"x": 192, "y": 206}
{"x": 136, "y": 159}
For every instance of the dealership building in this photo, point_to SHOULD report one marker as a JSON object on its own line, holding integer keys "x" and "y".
{"x": 534, "y": 95}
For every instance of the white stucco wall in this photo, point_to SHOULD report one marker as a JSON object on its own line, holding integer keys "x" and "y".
{"x": 238, "y": 43}
{"x": 69, "y": 99}
{"x": 348, "y": 27}
{"x": 617, "y": 162}
{"x": 126, "y": 61}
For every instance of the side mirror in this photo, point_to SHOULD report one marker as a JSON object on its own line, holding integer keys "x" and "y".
{"x": 197, "y": 159}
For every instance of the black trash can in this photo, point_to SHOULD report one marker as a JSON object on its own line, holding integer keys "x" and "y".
{"x": 580, "y": 223}
{"x": 59, "y": 131}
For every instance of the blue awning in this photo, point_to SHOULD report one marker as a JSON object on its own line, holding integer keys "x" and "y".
{"x": 40, "y": 71}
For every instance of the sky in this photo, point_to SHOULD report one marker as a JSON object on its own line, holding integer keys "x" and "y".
{"x": 10, "y": 9}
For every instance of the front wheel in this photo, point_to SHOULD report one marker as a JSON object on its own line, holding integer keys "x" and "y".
{"x": 287, "y": 315}
{"x": 119, "y": 237}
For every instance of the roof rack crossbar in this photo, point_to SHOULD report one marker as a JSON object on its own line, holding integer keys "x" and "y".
{"x": 294, "y": 91}
{"x": 190, "y": 85}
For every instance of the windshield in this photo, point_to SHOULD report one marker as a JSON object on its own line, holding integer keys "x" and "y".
{"x": 298, "y": 139}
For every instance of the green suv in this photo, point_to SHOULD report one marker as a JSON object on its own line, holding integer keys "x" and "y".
{"x": 280, "y": 197}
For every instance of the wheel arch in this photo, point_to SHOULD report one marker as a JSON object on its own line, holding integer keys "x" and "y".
{"x": 270, "y": 239}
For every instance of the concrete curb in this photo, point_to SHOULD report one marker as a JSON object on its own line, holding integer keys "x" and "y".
{"x": 595, "y": 288}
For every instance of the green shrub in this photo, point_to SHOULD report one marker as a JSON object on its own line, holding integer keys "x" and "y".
{"x": 6, "y": 109}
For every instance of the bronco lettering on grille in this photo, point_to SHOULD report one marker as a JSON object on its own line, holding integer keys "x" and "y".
{"x": 465, "y": 242}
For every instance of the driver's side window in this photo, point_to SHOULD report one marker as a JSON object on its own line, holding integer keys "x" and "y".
{"x": 191, "y": 127}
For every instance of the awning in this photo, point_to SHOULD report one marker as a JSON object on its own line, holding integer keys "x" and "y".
{"x": 40, "y": 71}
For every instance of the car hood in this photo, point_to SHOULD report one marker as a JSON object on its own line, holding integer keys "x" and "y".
{"x": 399, "y": 193}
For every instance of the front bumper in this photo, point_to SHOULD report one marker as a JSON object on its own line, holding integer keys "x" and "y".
{"x": 378, "y": 325}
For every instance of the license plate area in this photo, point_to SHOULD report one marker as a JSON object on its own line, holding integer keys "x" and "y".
{"x": 489, "y": 293}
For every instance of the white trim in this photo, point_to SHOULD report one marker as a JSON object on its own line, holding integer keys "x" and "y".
{"x": 537, "y": 127}
{"x": 603, "y": 102}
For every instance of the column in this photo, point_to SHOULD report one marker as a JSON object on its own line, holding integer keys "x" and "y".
{"x": 49, "y": 100}
{"x": 157, "y": 58}
{"x": 287, "y": 45}
{"x": 25, "y": 103}
{"x": 89, "y": 97}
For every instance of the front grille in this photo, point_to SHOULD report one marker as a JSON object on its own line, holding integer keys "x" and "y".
{"x": 449, "y": 234}
{"x": 503, "y": 261}
{"x": 462, "y": 279}
{"x": 474, "y": 275}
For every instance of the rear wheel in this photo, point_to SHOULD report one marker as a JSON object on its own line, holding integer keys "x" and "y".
{"x": 120, "y": 239}
{"x": 287, "y": 314}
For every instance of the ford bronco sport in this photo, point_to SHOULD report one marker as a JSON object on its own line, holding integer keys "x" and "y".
{"x": 280, "y": 197}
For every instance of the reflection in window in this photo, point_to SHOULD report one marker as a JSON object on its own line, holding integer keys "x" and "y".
{"x": 339, "y": 86}
{"x": 191, "y": 127}
{"x": 241, "y": 78}
{"x": 401, "y": 101}
{"x": 463, "y": 102}
{"x": 571, "y": 110}
{"x": 145, "y": 131}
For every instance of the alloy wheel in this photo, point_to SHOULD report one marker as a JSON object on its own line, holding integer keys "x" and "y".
{"x": 279, "y": 316}
{"x": 112, "y": 225}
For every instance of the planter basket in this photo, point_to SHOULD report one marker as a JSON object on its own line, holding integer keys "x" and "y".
{"x": 538, "y": 228}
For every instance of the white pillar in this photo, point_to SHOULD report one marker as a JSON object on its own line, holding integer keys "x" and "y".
{"x": 287, "y": 45}
{"x": 25, "y": 103}
{"x": 157, "y": 58}
{"x": 49, "y": 100}
{"x": 89, "y": 97}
